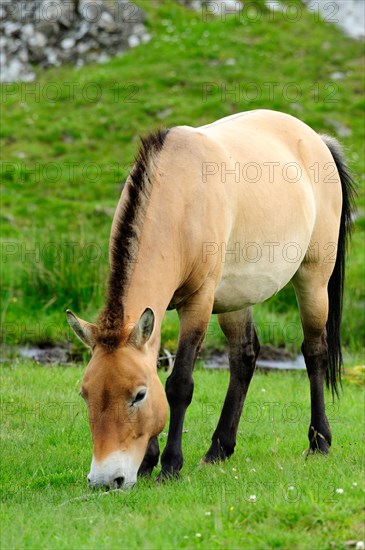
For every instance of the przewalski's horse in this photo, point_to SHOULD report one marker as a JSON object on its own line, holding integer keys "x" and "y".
{"x": 213, "y": 220}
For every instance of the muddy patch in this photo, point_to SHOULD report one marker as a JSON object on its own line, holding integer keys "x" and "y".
{"x": 269, "y": 359}
{"x": 61, "y": 354}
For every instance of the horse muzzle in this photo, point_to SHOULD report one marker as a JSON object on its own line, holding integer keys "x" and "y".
{"x": 117, "y": 471}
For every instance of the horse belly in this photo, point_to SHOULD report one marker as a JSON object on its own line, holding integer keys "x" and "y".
{"x": 246, "y": 283}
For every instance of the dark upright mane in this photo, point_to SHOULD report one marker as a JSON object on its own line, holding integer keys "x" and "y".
{"x": 125, "y": 240}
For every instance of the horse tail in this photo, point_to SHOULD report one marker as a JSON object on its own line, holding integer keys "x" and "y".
{"x": 336, "y": 282}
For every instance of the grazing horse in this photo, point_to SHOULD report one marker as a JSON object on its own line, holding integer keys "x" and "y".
{"x": 213, "y": 219}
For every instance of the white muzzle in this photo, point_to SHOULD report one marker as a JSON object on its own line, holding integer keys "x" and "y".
{"x": 118, "y": 471}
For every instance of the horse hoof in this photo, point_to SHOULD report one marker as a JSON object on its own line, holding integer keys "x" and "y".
{"x": 318, "y": 443}
{"x": 203, "y": 462}
{"x": 211, "y": 459}
{"x": 145, "y": 473}
{"x": 165, "y": 476}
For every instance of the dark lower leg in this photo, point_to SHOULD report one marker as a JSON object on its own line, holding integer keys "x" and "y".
{"x": 242, "y": 360}
{"x": 179, "y": 392}
{"x": 316, "y": 359}
{"x": 151, "y": 458}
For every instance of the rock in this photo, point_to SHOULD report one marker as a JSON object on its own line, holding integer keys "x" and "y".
{"x": 82, "y": 30}
{"x": 52, "y": 32}
{"x": 145, "y": 38}
{"x": 103, "y": 58}
{"x": 27, "y": 31}
{"x": 337, "y": 76}
{"x": 83, "y": 47}
{"x": 54, "y": 12}
{"x": 215, "y": 7}
{"x": 50, "y": 29}
{"x": 341, "y": 129}
{"x": 51, "y": 56}
{"x": 224, "y": 8}
{"x": 107, "y": 22}
{"x": 14, "y": 70}
{"x": 274, "y": 5}
{"x": 68, "y": 43}
{"x": 37, "y": 40}
{"x": 90, "y": 10}
{"x": 133, "y": 41}
{"x": 11, "y": 28}
{"x": 138, "y": 29}
{"x": 347, "y": 14}
{"x": 297, "y": 107}
{"x": 14, "y": 46}
{"x": 23, "y": 55}
{"x": 165, "y": 113}
{"x": 36, "y": 45}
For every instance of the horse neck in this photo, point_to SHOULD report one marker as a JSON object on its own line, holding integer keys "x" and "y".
{"x": 154, "y": 278}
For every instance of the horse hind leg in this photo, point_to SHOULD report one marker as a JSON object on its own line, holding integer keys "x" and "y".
{"x": 312, "y": 297}
{"x": 243, "y": 351}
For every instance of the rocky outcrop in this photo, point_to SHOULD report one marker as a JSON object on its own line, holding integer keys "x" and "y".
{"x": 52, "y": 32}
{"x": 347, "y": 14}
{"x": 214, "y": 7}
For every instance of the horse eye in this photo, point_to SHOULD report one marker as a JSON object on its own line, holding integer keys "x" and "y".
{"x": 139, "y": 397}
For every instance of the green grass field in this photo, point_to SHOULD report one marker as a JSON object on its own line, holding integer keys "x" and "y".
{"x": 266, "y": 496}
{"x": 69, "y": 139}
{"x": 67, "y": 145}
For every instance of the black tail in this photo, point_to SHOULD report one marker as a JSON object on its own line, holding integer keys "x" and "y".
{"x": 336, "y": 282}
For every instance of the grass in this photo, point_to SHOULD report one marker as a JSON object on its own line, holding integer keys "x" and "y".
{"x": 69, "y": 139}
{"x": 67, "y": 144}
{"x": 46, "y": 452}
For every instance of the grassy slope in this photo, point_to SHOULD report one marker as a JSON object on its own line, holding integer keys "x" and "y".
{"x": 82, "y": 148}
{"x": 46, "y": 452}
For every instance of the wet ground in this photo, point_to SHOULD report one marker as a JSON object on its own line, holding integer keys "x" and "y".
{"x": 269, "y": 358}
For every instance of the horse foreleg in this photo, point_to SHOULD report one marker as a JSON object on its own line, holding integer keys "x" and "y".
{"x": 194, "y": 317}
{"x": 150, "y": 458}
{"x": 243, "y": 351}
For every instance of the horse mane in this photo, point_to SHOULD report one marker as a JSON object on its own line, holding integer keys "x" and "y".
{"x": 124, "y": 244}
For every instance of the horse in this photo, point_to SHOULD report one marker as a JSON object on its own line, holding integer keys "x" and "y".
{"x": 213, "y": 219}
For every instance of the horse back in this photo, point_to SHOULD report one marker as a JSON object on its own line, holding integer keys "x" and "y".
{"x": 251, "y": 196}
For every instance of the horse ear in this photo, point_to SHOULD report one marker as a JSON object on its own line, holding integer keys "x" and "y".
{"x": 85, "y": 331}
{"x": 142, "y": 331}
